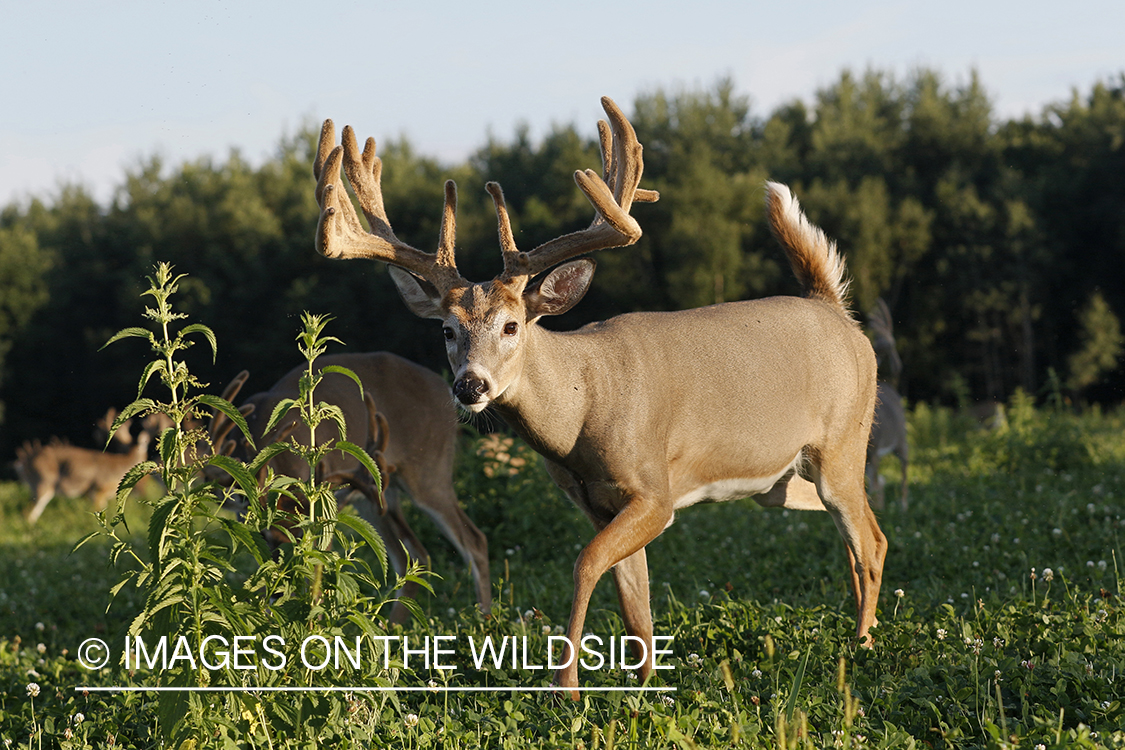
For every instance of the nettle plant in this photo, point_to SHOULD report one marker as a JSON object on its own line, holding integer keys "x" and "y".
{"x": 209, "y": 576}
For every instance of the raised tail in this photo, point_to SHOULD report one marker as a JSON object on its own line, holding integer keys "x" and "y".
{"x": 817, "y": 265}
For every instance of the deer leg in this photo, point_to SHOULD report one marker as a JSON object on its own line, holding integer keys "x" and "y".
{"x": 874, "y": 481}
{"x": 440, "y": 504}
{"x": 32, "y": 514}
{"x": 637, "y": 524}
{"x": 631, "y": 577}
{"x": 842, "y": 490}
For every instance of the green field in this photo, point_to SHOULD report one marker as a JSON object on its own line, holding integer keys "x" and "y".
{"x": 1000, "y": 617}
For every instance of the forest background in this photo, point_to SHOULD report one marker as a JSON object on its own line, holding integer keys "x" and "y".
{"x": 998, "y": 245}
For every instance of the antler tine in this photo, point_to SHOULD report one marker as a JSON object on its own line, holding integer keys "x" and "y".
{"x": 339, "y": 231}
{"x": 515, "y": 262}
{"x": 622, "y": 166}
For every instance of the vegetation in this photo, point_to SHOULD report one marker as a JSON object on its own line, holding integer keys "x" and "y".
{"x": 991, "y": 240}
{"x": 1000, "y": 622}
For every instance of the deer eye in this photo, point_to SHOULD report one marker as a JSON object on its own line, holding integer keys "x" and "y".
{"x": 448, "y": 332}
{"x": 510, "y": 328}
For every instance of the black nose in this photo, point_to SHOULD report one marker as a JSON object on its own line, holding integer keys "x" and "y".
{"x": 469, "y": 388}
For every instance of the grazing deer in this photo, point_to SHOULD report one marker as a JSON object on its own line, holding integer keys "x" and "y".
{"x": 62, "y": 469}
{"x": 416, "y": 409}
{"x": 646, "y": 413}
{"x": 888, "y": 431}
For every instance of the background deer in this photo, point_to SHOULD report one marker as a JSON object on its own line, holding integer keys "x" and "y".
{"x": 59, "y": 468}
{"x": 646, "y": 413}
{"x": 888, "y": 431}
{"x": 413, "y": 435}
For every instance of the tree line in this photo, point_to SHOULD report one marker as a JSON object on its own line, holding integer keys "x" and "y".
{"x": 999, "y": 245}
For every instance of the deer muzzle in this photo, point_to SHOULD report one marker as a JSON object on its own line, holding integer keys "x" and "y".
{"x": 470, "y": 389}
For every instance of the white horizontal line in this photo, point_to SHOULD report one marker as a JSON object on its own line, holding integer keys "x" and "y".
{"x": 533, "y": 689}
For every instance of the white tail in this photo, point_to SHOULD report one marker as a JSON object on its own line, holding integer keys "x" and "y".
{"x": 411, "y": 436}
{"x": 62, "y": 469}
{"x": 646, "y": 413}
{"x": 888, "y": 431}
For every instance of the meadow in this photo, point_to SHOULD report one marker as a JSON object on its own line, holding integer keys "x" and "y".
{"x": 1000, "y": 617}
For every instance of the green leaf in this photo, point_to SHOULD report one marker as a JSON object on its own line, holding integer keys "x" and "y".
{"x": 798, "y": 678}
{"x": 207, "y": 333}
{"x": 367, "y": 532}
{"x": 152, "y": 368}
{"x": 336, "y": 414}
{"x": 247, "y": 481}
{"x": 129, "y": 482}
{"x": 266, "y": 455}
{"x": 346, "y": 373}
{"x": 248, "y": 537}
{"x": 279, "y": 411}
{"x": 364, "y": 458}
{"x": 132, "y": 332}
{"x": 227, "y": 408}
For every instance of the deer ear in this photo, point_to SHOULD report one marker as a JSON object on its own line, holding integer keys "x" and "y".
{"x": 420, "y": 296}
{"x": 559, "y": 290}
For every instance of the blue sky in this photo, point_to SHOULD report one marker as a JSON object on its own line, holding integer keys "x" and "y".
{"x": 88, "y": 89}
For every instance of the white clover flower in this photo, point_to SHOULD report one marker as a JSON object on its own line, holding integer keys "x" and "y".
{"x": 33, "y": 689}
{"x": 941, "y": 634}
{"x": 667, "y": 700}
{"x": 704, "y": 594}
{"x": 451, "y": 612}
{"x": 1101, "y": 565}
{"x": 995, "y": 538}
{"x": 1056, "y": 532}
{"x": 527, "y": 615}
{"x": 79, "y": 718}
{"x": 1048, "y": 575}
{"x": 410, "y": 720}
{"x": 900, "y": 593}
{"x": 997, "y": 675}
{"x": 693, "y": 659}
{"x": 559, "y": 630}
{"x": 1033, "y": 576}
{"x": 1040, "y": 746}
{"x": 41, "y": 648}
{"x": 39, "y": 626}
{"x": 1106, "y": 704}
{"x": 546, "y": 630}
{"x": 756, "y": 673}
{"x": 432, "y": 685}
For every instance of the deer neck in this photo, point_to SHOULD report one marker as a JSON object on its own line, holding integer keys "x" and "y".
{"x": 548, "y": 402}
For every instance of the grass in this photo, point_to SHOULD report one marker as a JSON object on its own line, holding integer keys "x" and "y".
{"x": 984, "y": 647}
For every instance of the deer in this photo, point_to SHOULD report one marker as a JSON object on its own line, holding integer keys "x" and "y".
{"x": 888, "y": 431}
{"x": 416, "y": 408}
{"x": 647, "y": 413}
{"x": 59, "y": 468}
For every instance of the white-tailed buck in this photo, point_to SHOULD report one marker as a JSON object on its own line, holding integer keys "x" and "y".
{"x": 646, "y": 413}
{"x": 122, "y": 437}
{"x": 888, "y": 432}
{"x": 59, "y": 468}
{"x": 412, "y": 437}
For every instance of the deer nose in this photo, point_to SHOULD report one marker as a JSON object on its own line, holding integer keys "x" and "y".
{"x": 469, "y": 389}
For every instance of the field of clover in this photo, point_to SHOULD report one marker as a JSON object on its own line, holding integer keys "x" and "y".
{"x": 1000, "y": 617}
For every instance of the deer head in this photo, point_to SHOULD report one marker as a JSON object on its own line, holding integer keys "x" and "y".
{"x": 486, "y": 325}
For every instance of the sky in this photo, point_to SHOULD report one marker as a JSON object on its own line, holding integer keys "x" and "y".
{"x": 90, "y": 90}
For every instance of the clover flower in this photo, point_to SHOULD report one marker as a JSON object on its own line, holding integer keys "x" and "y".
{"x": 410, "y": 720}
{"x": 33, "y": 689}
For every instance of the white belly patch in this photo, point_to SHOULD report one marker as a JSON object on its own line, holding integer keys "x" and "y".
{"x": 733, "y": 489}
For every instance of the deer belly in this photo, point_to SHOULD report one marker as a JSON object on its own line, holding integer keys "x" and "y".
{"x": 732, "y": 489}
